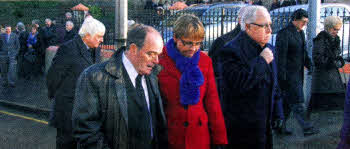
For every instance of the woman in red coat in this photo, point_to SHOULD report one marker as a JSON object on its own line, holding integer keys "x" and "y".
{"x": 187, "y": 84}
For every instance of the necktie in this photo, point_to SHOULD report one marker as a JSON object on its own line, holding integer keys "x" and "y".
{"x": 7, "y": 38}
{"x": 141, "y": 94}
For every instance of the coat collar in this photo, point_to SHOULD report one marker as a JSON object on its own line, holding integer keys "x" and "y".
{"x": 86, "y": 53}
{"x": 115, "y": 63}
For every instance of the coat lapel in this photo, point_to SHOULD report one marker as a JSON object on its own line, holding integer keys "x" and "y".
{"x": 86, "y": 53}
{"x": 114, "y": 68}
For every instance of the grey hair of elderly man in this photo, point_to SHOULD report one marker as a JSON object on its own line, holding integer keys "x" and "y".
{"x": 241, "y": 12}
{"x": 91, "y": 26}
{"x": 250, "y": 15}
{"x": 92, "y": 32}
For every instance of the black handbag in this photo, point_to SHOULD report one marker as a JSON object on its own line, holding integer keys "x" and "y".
{"x": 30, "y": 55}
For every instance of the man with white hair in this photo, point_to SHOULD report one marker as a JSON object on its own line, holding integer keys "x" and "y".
{"x": 71, "y": 59}
{"x": 70, "y": 31}
{"x": 250, "y": 82}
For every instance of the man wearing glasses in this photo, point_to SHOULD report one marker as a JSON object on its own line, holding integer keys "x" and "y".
{"x": 250, "y": 82}
{"x": 292, "y": 57}
{"x": 188, "y": 88}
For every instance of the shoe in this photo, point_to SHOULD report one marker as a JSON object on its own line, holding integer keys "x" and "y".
{"x": 284, "y": 131}
{"x": 280, "y": 127}
{"x": 12, "y": 85}
{"x": 5, "y": 85}
{"x": 311, "y": 131}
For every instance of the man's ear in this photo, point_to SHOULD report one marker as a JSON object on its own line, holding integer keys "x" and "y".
{"x": 133, "y": 48}
{"x": 247, "y": 26}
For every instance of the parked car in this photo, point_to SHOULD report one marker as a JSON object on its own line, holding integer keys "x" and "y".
{"x": 280, "y": 19}
{"x": 218, "y": 19}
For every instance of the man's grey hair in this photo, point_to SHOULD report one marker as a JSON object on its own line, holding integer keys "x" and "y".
{"x": 241, "y": 11}
{"x": 20, "y": 26}
{"x": 332, "y": 21}
{"x": 91, "y": 26}
{"x": 70, "y": 23}
{"x": 249, "y": 15}
{"x": 137, "y": 35}
{"x": 68, "y": 14}
{"x": 48, "y": 20}
{"x": 36, "y": 21}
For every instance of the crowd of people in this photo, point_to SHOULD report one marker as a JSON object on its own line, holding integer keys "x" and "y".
{"x": 22, "y": 52}
{"x": 157, "y": 95}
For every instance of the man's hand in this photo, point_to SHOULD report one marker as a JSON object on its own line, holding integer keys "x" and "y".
{"x": 267, "y": 55}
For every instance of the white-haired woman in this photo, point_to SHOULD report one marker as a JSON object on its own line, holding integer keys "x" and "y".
{"x": 327, "y": 86}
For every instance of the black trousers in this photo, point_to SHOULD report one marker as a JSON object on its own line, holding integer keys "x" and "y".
{"x": 64, "y": 139}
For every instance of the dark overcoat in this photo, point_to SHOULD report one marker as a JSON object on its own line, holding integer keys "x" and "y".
{"x": 345, "y": 131}
{"x": 325, "y": 54}
{"x": 101, "y": 114}
{"x": 250, "y": 89}
{"x": 70, "y": 60}
{"x": 217, "y": 45}
{"x": 292, "y": 57}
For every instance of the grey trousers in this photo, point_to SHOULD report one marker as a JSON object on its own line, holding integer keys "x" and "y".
{"x": 8, "y": 69}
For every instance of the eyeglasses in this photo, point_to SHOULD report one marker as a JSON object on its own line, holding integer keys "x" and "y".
{"x": 265, "y": 26}
{"x": 336, "y": 29}
{"x": 190, "y": 43}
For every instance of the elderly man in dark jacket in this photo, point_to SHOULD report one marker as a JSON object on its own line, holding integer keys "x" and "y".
{"x": 71, "y": 59}
{"x": 250, "y": 82}
{"x": 218, "y": 44}
{"x": 292, "y": 56}
{"x": 118, "y": 104}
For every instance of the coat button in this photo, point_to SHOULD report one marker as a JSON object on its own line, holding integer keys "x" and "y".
{"x": 186, "y": 124}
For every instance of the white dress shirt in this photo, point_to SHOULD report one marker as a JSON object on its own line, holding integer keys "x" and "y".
{"x": 130, "y": 69}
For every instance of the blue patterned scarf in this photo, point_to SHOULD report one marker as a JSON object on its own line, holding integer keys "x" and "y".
{"x": 191, "y": 76}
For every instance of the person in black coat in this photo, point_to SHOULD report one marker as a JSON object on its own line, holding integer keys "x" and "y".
{"x": 22, "y": 37}
{"x": 250, "y": 82}
{"x": 219, "y": 43}
{"x": 328, "y": 90}
{"x": 292, "y": 56}
{"x": 117, "y": 103}
{"x": 70, "y": 31}
{"x": 276, "y": 4}
{"x": 71, "y": 59}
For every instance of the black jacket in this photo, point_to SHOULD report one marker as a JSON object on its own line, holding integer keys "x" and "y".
{"x": 292, "y": 57}
{"x": 214, "y": 51}
{"x": 69, "y": 35}
{"x": 250, "y": 90}
{"x": 70, "y": 60}
{"x": 325, "y": 55}
{"x": 101, "y": 115}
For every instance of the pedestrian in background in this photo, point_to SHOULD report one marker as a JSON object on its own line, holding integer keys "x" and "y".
{"x": 71, "y": 59}
{"x": 22, "y": 37}
{"x": 31, "y": 69}
{"x": 328, "y": 90}
{"x": 118, "y": 104}
{"x": 292, "y": 58}
{"x": 70, "y": 31}
{"x": 250, "y": 82}
{"x": 218, "y": 44}
{"x": 188, "y": 88}
{"x": 9, "y": 49}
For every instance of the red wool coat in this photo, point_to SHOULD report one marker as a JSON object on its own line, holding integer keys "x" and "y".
{"x": 201, "y": 124}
